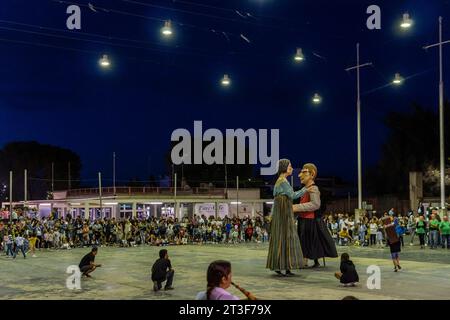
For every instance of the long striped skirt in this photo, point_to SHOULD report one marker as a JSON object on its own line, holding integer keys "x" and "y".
{"x": 285, "y": 252}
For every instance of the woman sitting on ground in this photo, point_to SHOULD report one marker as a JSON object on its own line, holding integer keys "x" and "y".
{"x": 348, "y": 275}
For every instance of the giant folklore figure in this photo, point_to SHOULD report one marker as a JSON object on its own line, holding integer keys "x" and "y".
{"x": 315, "y": 238}
{"x": 285, "y": 252}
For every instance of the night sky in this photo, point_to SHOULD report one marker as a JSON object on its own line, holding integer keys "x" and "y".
{"x": 52, "y": 89}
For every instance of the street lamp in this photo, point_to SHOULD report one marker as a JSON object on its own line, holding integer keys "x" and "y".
{"x": 317, "y": 98}
{"x": 104, "y": 61}
{"x": 299, "y": 55}
{"x": 398, "y": 79}
{"x": 406, "y": 22}
{"x": 167, "y": 29}
{"x": 226, "y": 81}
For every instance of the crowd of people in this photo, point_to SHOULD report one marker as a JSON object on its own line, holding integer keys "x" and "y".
{"x": 68, "y": 232}
{"x": 27, "y": 234}
{"x": 429, "y": 228}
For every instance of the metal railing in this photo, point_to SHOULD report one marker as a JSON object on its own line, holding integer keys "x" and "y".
{"x": 131, "y": 191}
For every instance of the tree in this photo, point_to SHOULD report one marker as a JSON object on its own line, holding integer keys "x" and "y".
{"x": 412, "y": 145}
{"x": 37, "y": 159}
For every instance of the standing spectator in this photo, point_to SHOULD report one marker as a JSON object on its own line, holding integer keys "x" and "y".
{"x": 421, "y": 230}
{"x": 412, "y": 222}
{"x": 362, "y": 233}
{"x": 380, "y": 237}
{"x": 249, "y": 233}
{"x": 20, "y": 241}
{"x": 434, "y": 231}
{"x": 32, "y": 241}
{"x": 9, "y": 245}
{"x": 373, "y": 228}
{"x": 444, "y": 228}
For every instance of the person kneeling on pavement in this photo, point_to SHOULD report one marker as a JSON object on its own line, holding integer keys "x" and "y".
{"x": 162, "y": 271}
{"x": 87, "y": 264}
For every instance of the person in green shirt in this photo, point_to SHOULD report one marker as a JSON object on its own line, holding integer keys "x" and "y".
{"x": 434, "y": 231}
{"x": 444, "y": 228}
{"x": 420, "y": 230}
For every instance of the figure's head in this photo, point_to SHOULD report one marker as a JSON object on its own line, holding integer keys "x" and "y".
{"x": 345, "y": 257}
{"x": 445, "y": 218}
{"x": 163, "y": 254}
{"x": 218, "y": 275}
{"x": 308, "y": 173}
{"x": 94, "y": 251}
{"x": 284, "y": 167}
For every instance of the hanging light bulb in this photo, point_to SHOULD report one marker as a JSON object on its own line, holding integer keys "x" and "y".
{"x": 167, "y": 29}
{"x": 226, "y": 81}
{"x": 299, "y": 55}
{"x": 317, "y": 99}
{"x": 406, "y": 22}
{"x": 104, "y": 61}
{"x": 398, "y": 79}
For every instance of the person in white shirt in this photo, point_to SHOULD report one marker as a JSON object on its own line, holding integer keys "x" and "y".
{"x": 373, "y": 228}
{"x": 20, "y": 241}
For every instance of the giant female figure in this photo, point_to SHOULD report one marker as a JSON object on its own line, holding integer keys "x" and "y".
{"x": 285, "y": 252}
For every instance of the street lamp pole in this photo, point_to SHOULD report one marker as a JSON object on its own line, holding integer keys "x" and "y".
{"x": 358, "y": 116}
{"x": 114, "y": 173}
{"x": 441, "y": 112}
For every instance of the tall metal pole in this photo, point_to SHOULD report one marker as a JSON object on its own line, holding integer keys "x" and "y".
{"x": 175, "y": 196}
{"x": 10, "y": 195}
{"x": 25, "y": 193}
{"x": 100, "y": 194}
{"x": 114, "y": 173}
{"x": 237, "y": 196}
{"x": 226, "y": 179}
{"x": 358, "y": 120}
{"x": 68, "y": 171}
{"x": 441, "y": 117}
{"x": 441, "y": 112}
{"x": 358, "y": 111}
{"x": 53, "y": 177}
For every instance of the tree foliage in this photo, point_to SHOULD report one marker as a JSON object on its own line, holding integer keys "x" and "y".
{"x": 37, "y": 159}
{"x": 412, "y": 145}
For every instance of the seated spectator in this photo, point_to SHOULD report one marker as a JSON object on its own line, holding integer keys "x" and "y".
{"x": 162, "y": 271}
{"x": 348, "y": 275}
{"x": 219, "y": 279}
{"x": 344, "y": 237}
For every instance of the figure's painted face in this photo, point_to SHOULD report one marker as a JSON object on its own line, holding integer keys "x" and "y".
{"x": 305, "y": 176}
{"x": 289, "y": 170}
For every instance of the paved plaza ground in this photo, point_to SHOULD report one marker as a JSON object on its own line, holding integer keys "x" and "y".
{"x": 126, "y": 274}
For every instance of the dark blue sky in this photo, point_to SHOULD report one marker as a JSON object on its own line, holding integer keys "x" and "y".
{"x": 59, "y": 96}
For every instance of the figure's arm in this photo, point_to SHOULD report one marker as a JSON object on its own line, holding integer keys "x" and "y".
{"x": 287, "y": 190}
{"x": 314, "y": 203}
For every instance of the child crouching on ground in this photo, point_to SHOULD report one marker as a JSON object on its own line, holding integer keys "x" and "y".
{"x": 348, "y": 275}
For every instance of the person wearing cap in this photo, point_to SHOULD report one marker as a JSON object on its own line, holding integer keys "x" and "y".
{"x": 87, "y": 264}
